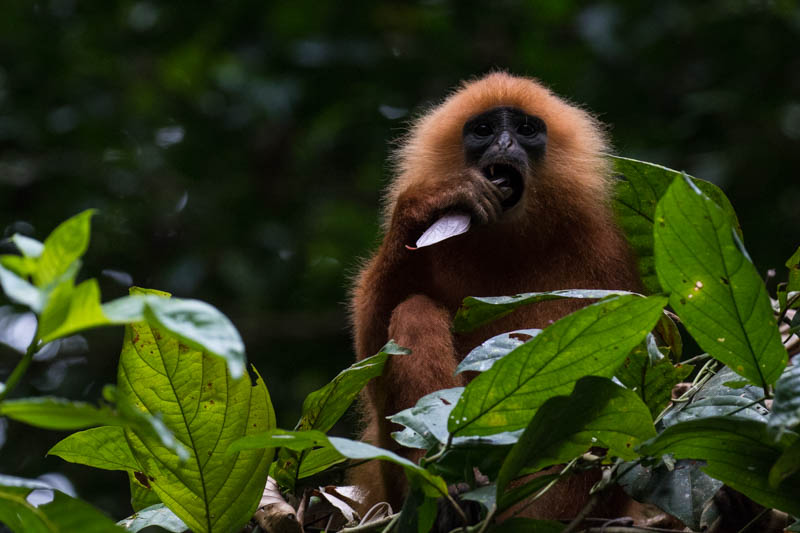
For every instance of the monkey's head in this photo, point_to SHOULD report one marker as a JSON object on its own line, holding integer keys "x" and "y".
{"x": 504, "y": 144}
{"x": 545, "y": 154}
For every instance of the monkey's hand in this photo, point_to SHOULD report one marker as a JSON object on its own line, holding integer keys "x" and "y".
{"x": 419, "y": 207}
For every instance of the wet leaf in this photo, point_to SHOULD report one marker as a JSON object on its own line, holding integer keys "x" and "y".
{"x": 477, "y": 311}
{"x": 713, "y": 286}
{"x": 591, "y": 341}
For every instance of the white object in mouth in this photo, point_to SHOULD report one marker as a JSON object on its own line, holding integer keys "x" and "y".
{"x": 448, "y": 226}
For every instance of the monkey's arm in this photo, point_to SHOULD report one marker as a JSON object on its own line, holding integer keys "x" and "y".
{"x": 395, "y": 273}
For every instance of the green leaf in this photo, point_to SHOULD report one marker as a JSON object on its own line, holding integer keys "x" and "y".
{"x": 157, "y": 515}
{"x": 206, "y": 409}
{"x": 717, "y": 398}
{"x": 102, "y": 447}
{"x": 481, "y": 358}
{"x": 652, "y": 382}
{"x": 785, "y": 414}
{"x": 21, "y": 291}
{"x": 323, "y": 408}
{"x": 737, "y": 451}
{"x": 61, "y": 515}
{"x": 280, "y": 438}
{"x": 56, "y": 413}
{"x": 793, "y": 264}
{"x": 591, "y": 341}
{"x": 70, "y": 310}
{"x": 199, "y": 325}
{"x": 477, "y": 311}
{"x": 684, "y": 491}
{"x": 714, "y": 287}
{"x": 635, "y": 200}
{"x": 787, "y": 465}
{"x": 428, "y": 418}
{"x": 65, "y": 245}
{"x": 669, "y": 333}
{"x": 127, "y": 309}
{"x": 317, "y": 461}
{"x": 300, "y": 440}
{"x": 597, "y": 413}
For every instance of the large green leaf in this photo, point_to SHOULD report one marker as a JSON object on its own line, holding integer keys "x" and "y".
{"x": 737, "y": 451}
{"x": 597, "y": 413}
{"x": 592, "y": 341}
{"x": 635, "y": 200}
{"x": 206, "y": 409}
{"x": 713, "y": 286}
{"x": 477, "y": 311}
{"x": 66, "y": 244}
{"x": 303, "y": 440}
{"x": 61, "y": 515}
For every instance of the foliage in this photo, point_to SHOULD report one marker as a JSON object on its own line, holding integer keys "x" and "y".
{"x": 197, "y": 435}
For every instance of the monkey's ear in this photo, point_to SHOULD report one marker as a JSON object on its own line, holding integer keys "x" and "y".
{"x": 448, "y": 226}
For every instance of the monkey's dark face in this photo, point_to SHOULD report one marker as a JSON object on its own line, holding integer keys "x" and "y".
{"x": 504, "y": 143}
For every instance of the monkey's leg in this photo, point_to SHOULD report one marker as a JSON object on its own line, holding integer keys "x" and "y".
{"x": 421, "y": 324}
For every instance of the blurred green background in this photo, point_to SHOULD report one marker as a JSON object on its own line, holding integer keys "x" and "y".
{"x": 236, "y": 150}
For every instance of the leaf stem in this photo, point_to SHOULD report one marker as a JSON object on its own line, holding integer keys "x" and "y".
{"x": 20, "y": 369}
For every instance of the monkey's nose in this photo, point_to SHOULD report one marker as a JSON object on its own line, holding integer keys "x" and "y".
{"x": 504, "y": 141}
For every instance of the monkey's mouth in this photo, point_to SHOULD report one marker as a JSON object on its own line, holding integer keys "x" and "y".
{"x": 508, "y": 179}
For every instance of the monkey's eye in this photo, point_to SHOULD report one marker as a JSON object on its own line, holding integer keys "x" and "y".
{"x": 526, "y": 129}
{"x": 482, "y": 130}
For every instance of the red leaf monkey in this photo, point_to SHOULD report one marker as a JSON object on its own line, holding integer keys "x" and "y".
{"x": 528, "y": 169}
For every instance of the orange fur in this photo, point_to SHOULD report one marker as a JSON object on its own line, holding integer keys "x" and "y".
{"x": 561, "y": 235}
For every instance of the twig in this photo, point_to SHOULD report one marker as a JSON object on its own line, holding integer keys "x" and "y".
{"x": 696, "y": 358}
{"x": 459, "y": 510}
{"x": 375, "y": 525}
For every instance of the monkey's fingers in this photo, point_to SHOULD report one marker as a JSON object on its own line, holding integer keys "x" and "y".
{"x": 491, "y": 200}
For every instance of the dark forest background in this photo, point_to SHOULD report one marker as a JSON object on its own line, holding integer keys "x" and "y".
{"x": 237, "y": 150}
